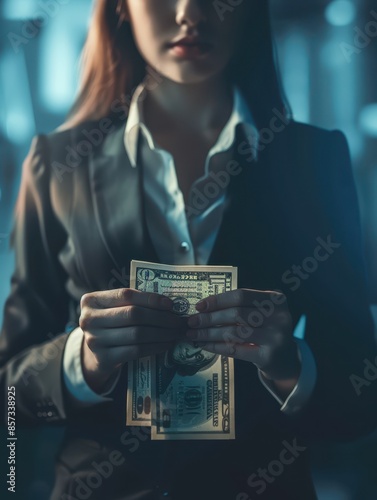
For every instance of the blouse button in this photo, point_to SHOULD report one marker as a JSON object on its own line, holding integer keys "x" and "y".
{"x": 184, "y": 247}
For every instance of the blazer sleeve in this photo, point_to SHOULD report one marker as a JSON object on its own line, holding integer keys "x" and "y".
{"x": 339, "y": 324}
{"x": 32, "y": 338}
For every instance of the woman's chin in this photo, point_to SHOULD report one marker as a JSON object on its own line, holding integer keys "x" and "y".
{"x": 189, "y": 76}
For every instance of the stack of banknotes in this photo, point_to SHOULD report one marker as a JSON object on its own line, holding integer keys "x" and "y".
{"x": 186, "y": 392}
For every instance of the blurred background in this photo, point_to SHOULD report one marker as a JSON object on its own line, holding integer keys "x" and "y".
{"x": 327, "y": 52}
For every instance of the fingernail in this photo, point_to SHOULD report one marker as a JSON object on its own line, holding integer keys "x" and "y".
{"x": 201, "y": 305}
{"x": 193, "y": 321}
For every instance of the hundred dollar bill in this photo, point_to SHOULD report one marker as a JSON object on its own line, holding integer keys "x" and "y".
{"x": 188, "y": 405}
{"x": 186, "y": 285}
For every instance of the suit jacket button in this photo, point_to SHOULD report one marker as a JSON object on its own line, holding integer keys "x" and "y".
{"x": 184, "y": 247}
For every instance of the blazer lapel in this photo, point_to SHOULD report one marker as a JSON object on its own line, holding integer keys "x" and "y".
{"x": 118, "y": 202}
{"x": 246, "y": 231}
{"x": 250, "y": 232}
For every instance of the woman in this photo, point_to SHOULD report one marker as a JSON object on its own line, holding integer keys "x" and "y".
{"x": 180, "y": 149}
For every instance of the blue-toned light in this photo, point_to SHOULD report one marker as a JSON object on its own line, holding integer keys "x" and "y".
{"x": 19, "y": 9}
{"x": 368, "y": 119}
{"x": 340, "y": 13}
{"x": 57, "y": 68}
{"x": 17, "y": 111}
{"x": 299, "y": 332}
{"x": 295, "y": 70}
{"x": 18, "y": 127}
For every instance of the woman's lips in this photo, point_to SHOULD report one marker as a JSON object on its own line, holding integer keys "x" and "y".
{"x": 190, "y": 49}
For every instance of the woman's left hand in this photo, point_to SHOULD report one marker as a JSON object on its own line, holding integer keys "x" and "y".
{"x": 251, "y": 325}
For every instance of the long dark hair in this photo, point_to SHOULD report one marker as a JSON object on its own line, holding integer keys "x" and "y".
{"x": 112, "y": 66}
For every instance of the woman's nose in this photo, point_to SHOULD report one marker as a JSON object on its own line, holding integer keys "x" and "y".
{"x": 190, "y": 13}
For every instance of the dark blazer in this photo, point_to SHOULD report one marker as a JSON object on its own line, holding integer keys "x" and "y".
{"x": 79, "y": 222}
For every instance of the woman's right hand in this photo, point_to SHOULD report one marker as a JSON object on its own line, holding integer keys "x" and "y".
{"x": 121, "y": 325}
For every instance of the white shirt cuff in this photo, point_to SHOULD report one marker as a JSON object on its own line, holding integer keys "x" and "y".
{"x": 305, "y": 384}
{"x": 73, "y": 375}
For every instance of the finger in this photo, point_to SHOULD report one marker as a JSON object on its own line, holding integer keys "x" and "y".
{"x": 133, "y": 335}
{"x": 246, "y": 316}
{"x": 234, "y": 334}
{"x": 114, "y": 356}
{"x": 129, "y": 316}
{"x": 123, "y": 297}
{"x": 245, "y": 352}
{"x": 241, "y": 297}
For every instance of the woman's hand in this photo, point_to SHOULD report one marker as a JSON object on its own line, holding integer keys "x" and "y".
{"x": 121, "y": 325}
{"x": 251, "y": 325}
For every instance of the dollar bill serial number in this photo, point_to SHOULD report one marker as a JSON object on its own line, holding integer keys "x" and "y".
{"x": 180, "y": 276}
{"x": 11, "y": 440}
